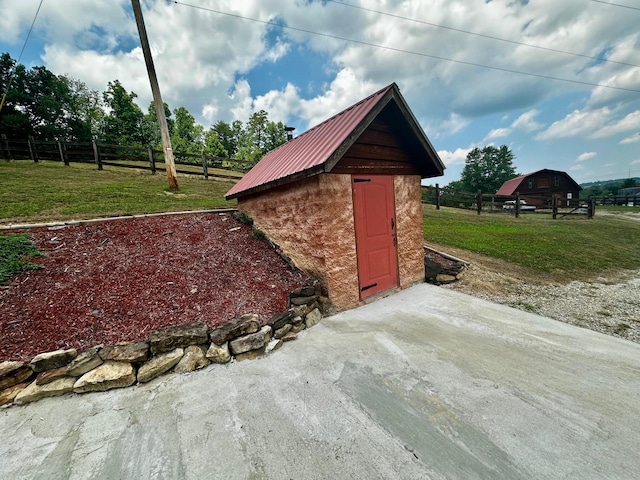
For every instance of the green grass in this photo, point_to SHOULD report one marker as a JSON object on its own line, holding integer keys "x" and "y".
{"x": 49, "y": 191}
{"x": 570, "y": 247}
{"x": 16, "y": 253}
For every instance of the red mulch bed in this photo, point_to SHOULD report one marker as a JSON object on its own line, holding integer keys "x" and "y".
{"x": 119, "y": 280}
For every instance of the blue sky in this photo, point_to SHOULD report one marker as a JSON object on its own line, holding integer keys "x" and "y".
{"x": 226, "y": 59}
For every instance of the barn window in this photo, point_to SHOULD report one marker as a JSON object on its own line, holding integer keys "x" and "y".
{"x": 531, "y": 183}
{"x": 556, "y": 179}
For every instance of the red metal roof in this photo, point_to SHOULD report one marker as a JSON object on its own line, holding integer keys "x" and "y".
{"x": 512, "y": 185}
{"x": 509, "y": 187}
{"x": 307, "y": 154}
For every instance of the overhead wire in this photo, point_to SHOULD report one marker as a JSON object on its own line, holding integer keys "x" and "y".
{"x": 616, "y": 5}
{"x": 4, "y": 95}
{"x": 399, "y": 50}
{"x": 491, "y": 37}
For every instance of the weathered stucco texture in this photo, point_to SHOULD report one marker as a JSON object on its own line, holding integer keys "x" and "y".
{"x": 312, "y": 221}
{"x": 409, "y": 229}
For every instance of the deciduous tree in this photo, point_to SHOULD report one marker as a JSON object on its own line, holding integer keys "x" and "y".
{"x": 487, "y": 169}
{"x": 124, "y": 124}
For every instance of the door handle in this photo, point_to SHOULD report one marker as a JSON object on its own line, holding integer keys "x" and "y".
{"x": 393, "y": 223}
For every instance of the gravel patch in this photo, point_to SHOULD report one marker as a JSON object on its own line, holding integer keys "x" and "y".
{"x": 607, "y": 305}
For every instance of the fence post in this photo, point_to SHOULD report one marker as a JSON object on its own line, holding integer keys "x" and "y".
{"x": 592, "y": 208}
{"x": 32, "y": 148}
{"x": 517, "y": 204}
{"x": 63, "y": 157}
{"x": 96, "y": 154}
{"x": 479, "y": 201}
{"x": 205, "y": 171}
{"x": 152, "y": 161}
{"x": 437, "y": 196}
{"x": 554, "y": 206}
{"x": 6, "y": 153}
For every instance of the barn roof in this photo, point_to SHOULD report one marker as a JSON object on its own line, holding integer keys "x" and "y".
{"x": 509, "y": 187}
{"x": 319, "y": 149}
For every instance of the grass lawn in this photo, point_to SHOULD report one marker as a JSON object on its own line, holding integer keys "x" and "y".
{"x": 570, "y": 247}
{"x": 49, "y": 191}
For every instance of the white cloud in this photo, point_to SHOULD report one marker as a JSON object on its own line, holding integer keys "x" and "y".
{"x": 576, "y": 168}
{"x": 345, "y": 90}
{"x": 585, "y": 156}
{"x": 497, "y": 133}
{"x": 629, "y": 122}
{"x": 526, "y": 122}
{"x": 635, "y": 162}
{"x": 599, "y": 123}
{"x": 449, "y": 126}
{"x": 632, "y": 139}
{"x": 576, "y": 123}
{"x": 208, "y": 62}
{"x": 456, "y": 157}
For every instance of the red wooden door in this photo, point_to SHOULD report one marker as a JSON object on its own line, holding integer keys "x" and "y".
{"x": 374, "y": 218}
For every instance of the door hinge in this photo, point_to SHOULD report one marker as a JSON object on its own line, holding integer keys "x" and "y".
{"x": 368, "y": 287}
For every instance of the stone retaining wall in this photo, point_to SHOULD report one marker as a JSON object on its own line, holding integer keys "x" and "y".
{"x": 178, "y": 349}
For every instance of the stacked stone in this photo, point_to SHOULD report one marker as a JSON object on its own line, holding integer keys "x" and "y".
{"x": 180, "y": 349}
{"x": 440, "y": 268}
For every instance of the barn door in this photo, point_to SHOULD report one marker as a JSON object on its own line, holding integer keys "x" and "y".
{"x": 375, "y": 224}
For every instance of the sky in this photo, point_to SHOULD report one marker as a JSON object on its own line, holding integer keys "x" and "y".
{"x": 558, "y": 82}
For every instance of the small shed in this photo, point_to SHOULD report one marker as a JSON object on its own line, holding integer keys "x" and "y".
{"x": 343, "y": 200}
{"x": 541, "y": 186}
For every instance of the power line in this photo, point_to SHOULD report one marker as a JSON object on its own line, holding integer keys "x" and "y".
{"x": 467, "y": 32}
{"x": 4, "y": 96}
{"x": 399, "y": 50}
{"x": 29, "y": 32}
{"x": 616, "y": 5}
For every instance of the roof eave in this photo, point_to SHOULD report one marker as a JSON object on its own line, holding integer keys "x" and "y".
{"x": 420, "y": 133}
{"x": 339, "y": 152}
{"x": 310, "y": 172}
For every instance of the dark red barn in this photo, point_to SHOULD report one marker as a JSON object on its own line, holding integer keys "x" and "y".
{"x": 540, "y": 187}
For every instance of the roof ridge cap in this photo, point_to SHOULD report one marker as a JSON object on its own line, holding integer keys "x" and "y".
{"x": 388, "y": 87}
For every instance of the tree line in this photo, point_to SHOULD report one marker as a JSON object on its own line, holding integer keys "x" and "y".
{"x": 58, "y": 107}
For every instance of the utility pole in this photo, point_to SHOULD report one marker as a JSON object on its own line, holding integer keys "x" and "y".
{"x": 157, "y": 99}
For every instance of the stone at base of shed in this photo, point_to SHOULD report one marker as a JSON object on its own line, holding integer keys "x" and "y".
{"x": 441, "y": 268}
{"x": 180, "y": 349}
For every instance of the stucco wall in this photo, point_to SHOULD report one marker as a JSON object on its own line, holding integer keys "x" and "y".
{"x": 312, "y": 221}
{"x": 409, "y": 229}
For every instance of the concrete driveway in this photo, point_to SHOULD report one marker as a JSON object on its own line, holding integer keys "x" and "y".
{"x": 428, "y": 383}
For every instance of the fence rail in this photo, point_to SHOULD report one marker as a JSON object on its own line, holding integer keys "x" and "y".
{"x": 115, "y": 155}
{"x": 515, "y": 205}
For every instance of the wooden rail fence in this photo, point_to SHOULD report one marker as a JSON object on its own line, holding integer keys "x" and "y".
{"x": 114, "y": 155}
{"x": 514, "y": 205}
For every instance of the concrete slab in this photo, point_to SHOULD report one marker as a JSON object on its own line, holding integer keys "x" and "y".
{"x": 428, "y": 383}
